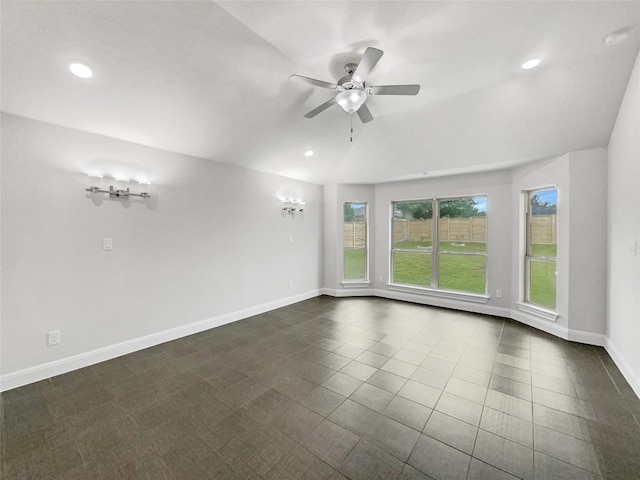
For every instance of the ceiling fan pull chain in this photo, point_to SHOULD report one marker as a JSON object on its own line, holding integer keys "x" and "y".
{"x": 351, "y": 137}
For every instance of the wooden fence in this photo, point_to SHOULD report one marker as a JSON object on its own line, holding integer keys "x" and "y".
{"x": 472, "y": 229}
{"x": 354, "y": 235}
{"x": 544, "y": 230}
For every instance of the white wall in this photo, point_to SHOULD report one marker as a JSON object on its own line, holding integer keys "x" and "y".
{"x": 623, "y": 280}
{"x": 588, "y": 241}
{"x": 551, "y": 172}
{"x": 580, "y": 178}
{"x": 335, "y": 198}
{"x": 209, "y": 246}
{"x": 332, "y": 226}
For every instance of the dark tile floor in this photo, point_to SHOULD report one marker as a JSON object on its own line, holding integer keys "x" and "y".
{"x": 330, "y": 389}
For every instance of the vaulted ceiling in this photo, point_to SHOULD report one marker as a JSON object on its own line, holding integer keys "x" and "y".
{"x": 211, "y": 79}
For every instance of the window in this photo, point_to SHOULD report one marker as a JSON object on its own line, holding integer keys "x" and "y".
{"x": 541, "y": 247}
{"x": 354, "y": 234}
{"x": 462, "y": 244}
{"x": 457, "y": 261}
{"x": 411, "y": 244}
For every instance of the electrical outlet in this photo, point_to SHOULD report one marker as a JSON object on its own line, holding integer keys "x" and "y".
{"x": 107, "y": 244}
{"x": 290, "y": 284}
{"x": 381, "y": 278}
{"x": 53, "y": 338}
{"x": 498, "y": 293}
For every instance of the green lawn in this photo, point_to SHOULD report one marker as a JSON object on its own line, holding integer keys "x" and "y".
{"x": 457, "y": 272}
{"x": 544, "y": 250}
{"x": 543, "y": 276}
{"x": 412, "y": 268}
{"x": 462, "y": 272}
{"x": 543, "y": 283}
{"x": 444, "y": 246}
{"x": 355, "y": 264}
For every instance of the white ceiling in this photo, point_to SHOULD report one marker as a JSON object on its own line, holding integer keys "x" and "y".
{"x": 210, "y": 79}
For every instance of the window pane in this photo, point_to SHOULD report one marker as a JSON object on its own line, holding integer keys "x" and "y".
{"x": 411, "y": 225}
{"x": 355, "y": 264}
{"x": 543, "y": 206}
{"x": 465, "y": 273}
{"x": 462, "y": 226}
{"x": 542, "y": 282}
{"x": 354, "y": 238}
{"x": 411, "y": 268}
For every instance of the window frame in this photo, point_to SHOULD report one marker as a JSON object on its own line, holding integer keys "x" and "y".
{"x": 359, "y": 281}
{"x": 529, "y": 256}
{"x": 435, "y": 252}
{"x": 409, "y": 250}
{"x": 453, "y": 252}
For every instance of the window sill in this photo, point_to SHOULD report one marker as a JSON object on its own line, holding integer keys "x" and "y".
{"x": 356, "y": 284}
{"x": 540, "y": 312}
{"x": 449, "y": 294}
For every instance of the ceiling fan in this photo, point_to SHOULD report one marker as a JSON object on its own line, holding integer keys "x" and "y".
{"x": 352, "y": 89}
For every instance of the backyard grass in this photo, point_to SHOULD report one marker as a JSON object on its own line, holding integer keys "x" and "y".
{"x": 355, "y": 264}
{"x": 462, "y": 272}
{"x": 543, "y": 283}
{"x": 444, "y": 246}
{"x": 457, "y": 272}
{"x": 544, "y": 250}
{"x": 412, "y": 268}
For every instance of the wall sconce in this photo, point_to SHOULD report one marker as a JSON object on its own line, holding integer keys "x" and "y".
{"x": 115, "y": 191}
{"x": 292, "y": 207}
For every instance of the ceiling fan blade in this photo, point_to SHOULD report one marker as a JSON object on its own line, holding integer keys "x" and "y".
{"x": 364, "y": 114}
{"x": 321, "y": 108}
{"x": 367, "y": 62}
{"x": 314, "y": 82}
{"x": 393, "y": 90}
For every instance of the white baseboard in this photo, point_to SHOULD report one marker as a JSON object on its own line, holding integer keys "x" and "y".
{"x": 623, "y": 366}
{"x": 589, "y": 338}
{"x": 85, "y": 359}
{"x": 443, "y": 302}
{"x": 544, "y": 325}
{"x": 558, "y": 330}
{"x": 349, "y": 292}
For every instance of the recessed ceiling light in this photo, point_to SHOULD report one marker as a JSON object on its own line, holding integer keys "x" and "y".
{"x": 80, "y": 70}
{"x": 308, "y": 153}
{"x": 619, "y": 36}
{"x": 529, "y": 64}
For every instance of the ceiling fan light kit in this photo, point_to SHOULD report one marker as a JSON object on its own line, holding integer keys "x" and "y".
{"x": 352, "y": 91}
{"x": 351, "y": 100}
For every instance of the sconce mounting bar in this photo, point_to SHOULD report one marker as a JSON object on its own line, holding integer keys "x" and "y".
{"x": 118, "y": 193}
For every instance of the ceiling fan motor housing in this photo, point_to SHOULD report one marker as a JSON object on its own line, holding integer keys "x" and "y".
{"x": 346, "y": 83}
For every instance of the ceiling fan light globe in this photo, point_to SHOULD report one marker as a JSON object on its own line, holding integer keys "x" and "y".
{"x": 351, "y": 100}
